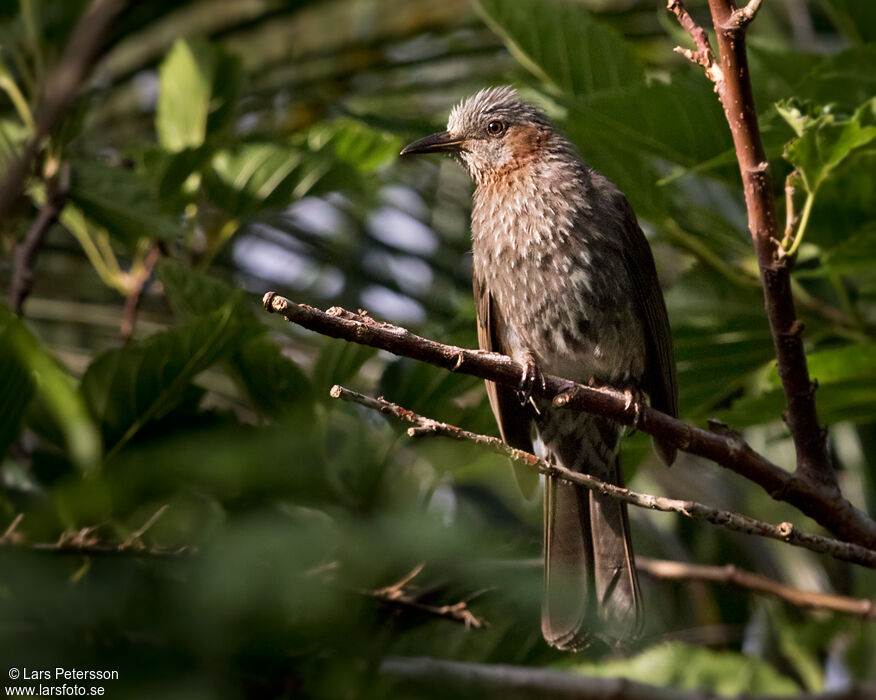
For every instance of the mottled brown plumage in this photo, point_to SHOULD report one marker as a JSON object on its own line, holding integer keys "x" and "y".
{"x": 564, "y": 282}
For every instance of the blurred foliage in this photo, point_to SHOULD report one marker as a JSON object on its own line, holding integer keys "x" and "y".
{"x": 252, "y": 146}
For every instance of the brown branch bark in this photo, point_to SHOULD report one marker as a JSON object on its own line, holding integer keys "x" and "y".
{"x": 499, "y": 680}
{"x": 132, "y": 301}
{"x": 26, "y": 252}
{"x": 761, "y": 585}
{"x": 723, "y": 447}
{"x": 784, "y": 532}
{"x": 74, "y": 66}
{"x": 733, "y": 85}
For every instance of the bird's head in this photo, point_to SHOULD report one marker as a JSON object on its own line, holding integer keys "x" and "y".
{"x": 494, "y": 132}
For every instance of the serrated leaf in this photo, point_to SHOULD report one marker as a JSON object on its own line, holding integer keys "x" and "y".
{"x": 120, "y": 201}
{"x": 563, "y": 43}
{"x": 274, "y": 383}
{"x": 127, "y": 388}
{"x": 824, "y": 140}
{"x": 55, "y": 389}
{"x": 186, "y": 83}
{"x": 193, "y": 293}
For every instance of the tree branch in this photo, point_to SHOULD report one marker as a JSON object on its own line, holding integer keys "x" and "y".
{"x": 723, "y": 447}
{"x": 761, "y": 585}
{"x": 26, "y": 252}
{"x": 784, "y": 532}
{"x": 733, "y": 85}
{"x": 499, "y": 680}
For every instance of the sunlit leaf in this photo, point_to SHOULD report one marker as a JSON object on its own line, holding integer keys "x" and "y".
{"x": 687, "y": 666}
{"x": 563, "y": 43}
{"x": 825, "y": 140}
{"x": 186, "y": 75}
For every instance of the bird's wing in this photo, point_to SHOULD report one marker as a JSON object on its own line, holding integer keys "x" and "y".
{"x": 660, "y": 381}
{"x": 513, "y": 419}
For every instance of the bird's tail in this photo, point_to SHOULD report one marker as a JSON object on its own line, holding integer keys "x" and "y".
{"x": 591, "y": 588}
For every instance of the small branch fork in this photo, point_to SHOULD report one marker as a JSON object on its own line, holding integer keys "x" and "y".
{"x": 397, "y": 595}
{"x": 733, "y": 84}
{"x": 720, "y": 445}
{"x": 784, "y": 532}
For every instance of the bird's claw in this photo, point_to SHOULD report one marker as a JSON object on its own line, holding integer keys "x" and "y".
{"x": 532, "y": 378}
{"x": 633, "y": 399}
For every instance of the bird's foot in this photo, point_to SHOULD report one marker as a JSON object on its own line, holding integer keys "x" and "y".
{"x": 532, "y": 378}
{"x": 634, "y": 398}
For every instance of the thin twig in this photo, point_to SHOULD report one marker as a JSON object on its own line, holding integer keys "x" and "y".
{"x": 784, "y": 532}
{"x": 703, "y": 56}
{"x": 722, "y": 446}
{"x": 733, "y": 86}
{"x": 761, "y": 585}
{"x": 132, "y": 301}
{"x": 26, "y": 252}
{"x": 395, "y": 594}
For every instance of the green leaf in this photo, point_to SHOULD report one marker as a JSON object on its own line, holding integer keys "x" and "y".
{"x": 258, "y": 175}
{"x": 562, "y": 43}
{"x": 846, "y": 389}
{"x": 846, "y": 79}
{"x": 856, "y": 19}
{"x": 855, "y": 255}
{"x": 338, "y": 362}
{"x": 193, "y": 293}
{"x": 120, "y": 201}
{"x": 13, "y": 135}
{"x": 186, "y": 75}
{"x": 55, "y": 389}
{"x": 274, "y": 383}
{"x": 687, "y": 666}
{"x": 824, "y": 140}
{"x": 17, "y": 385}
{"x": 720, "y": 337}
{"x": 365, "y": 148}
{"x": 126, "y": 389}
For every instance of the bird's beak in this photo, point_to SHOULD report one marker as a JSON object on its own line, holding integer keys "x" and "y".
{"x": 442, "y": 142}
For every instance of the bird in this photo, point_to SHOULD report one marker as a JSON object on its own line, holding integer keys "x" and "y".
{"x": 565, "y": 284}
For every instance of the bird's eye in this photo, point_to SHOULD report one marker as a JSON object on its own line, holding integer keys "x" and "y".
{"x": 496, "y": 128}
